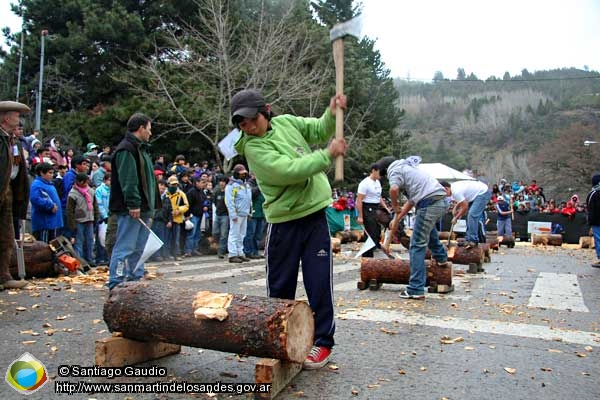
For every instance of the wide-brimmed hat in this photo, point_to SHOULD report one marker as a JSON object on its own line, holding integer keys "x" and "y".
{"x": 6, "y": 106}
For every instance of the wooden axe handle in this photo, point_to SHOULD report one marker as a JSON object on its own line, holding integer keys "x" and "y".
{"x": 393, "y": 228}
{"x": 338, "y": 58}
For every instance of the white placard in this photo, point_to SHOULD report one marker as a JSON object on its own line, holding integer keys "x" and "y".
{"x": 539, "y": 227}
{"x": 226, "y": 144}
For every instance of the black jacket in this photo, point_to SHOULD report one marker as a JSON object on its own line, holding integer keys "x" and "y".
{"x": 196, "y": 199}
{"x": 593, "y": 207}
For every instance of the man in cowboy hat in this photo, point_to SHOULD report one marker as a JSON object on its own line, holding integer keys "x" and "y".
{"x": 14, "y": 186}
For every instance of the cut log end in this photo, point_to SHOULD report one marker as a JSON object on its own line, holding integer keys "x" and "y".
{"x": 300, "y": 330}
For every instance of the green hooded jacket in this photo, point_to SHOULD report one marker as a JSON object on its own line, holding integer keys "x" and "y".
{"x": 290, "y": 175}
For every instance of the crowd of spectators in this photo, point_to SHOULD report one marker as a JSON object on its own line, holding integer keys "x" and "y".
{"x": 72, "y": 191}
{"x": 531, "y": 198}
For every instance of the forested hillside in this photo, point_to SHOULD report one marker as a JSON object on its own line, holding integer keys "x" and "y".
{"x": 530, "y": 126}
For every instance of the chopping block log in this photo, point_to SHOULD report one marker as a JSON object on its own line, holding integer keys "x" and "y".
{"x": 506, "y": 240}
{"x": 38, "y": 260}
{"x": 277, "y": 373}
{"x": 474, "y": 257}
{"x": 587, "y": 242}
{"x": 546, "y": 239}
{"x": 119, "y": 351}
{"x": 249, "y": 325}
{"x": 374, "y": 272}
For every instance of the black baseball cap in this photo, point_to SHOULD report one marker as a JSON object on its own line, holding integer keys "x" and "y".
{"x": 246, "y": 104}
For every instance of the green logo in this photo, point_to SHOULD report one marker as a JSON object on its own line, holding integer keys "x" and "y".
{"x": 26, "y": 374}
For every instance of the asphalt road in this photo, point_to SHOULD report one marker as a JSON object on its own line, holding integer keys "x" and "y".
{"x": 527, "y": 328}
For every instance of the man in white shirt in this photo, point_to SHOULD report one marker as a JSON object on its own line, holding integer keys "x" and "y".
{"x": 368, "y": 201}
{"x": 471, "y": 196}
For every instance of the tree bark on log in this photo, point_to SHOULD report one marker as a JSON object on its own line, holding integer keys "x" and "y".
{"x": 461, "y": 255}
{"x": 398, "y": 271}
{"x": 546, "y": 239}
{"x": 252, "y": 325}
{"x": 587, "y": 242}
{"x": 38, "y": 260}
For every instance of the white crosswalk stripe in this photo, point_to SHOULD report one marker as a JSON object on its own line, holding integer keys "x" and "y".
{"x": 337, "y": 269}
{"x": 557, "y": 291}
{"x": 220, "y": 274}
{"x": 476, "y": 325}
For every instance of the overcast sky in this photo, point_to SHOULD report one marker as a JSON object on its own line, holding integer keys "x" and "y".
{"x": 416, "y": 38}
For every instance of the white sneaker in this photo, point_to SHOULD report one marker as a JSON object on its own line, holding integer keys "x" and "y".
{"x": 14, "y": 284}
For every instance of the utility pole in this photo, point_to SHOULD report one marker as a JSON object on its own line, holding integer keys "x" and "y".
{"x": 38, "y": 108}
{"x": 21, "y": 54}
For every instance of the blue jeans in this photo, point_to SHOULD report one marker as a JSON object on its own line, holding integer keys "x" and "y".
{"x": 596, "y": 231}
{"x": 160, "y": 229}
{"x": 221, "y": 232}
{"x": 84, "y": 241}
{"x": 193, "y": 235}
{"x": 254, "y": 234}
{"x": 173, "y": 239}
{"x": 129, "y": 246}
{"x": 475, "y": 215}
{"x": 425, "y": 235}
{"x": 505, "y": 227}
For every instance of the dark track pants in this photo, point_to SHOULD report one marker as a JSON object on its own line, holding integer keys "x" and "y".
{"x": 304, "y": 240}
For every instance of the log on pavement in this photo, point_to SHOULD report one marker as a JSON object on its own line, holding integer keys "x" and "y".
{"x": 250, "y": 325}
{"x": 398, "y": 271}
{"x": 464, "y": 256}
{"x": 587, "y": 242}
{"x": 507, "y": 240}
{"x": 546, "y": 239}
{"x": 39, "y": 260}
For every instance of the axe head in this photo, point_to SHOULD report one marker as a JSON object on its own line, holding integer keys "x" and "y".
{"x": 352, "y": 27}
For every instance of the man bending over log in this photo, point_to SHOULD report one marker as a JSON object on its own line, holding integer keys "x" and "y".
{"x": 471, "y": 196}
{"x": 426, "y": 194}
{"x": 297, "y": 192}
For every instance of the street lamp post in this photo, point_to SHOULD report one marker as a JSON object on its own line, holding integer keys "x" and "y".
{"x": 38, "y": 108}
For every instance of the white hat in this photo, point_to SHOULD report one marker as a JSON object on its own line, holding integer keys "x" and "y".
{"x": 6, "y": 106}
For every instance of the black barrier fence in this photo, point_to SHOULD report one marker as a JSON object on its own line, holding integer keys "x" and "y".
{"x": 574, "y": 227}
